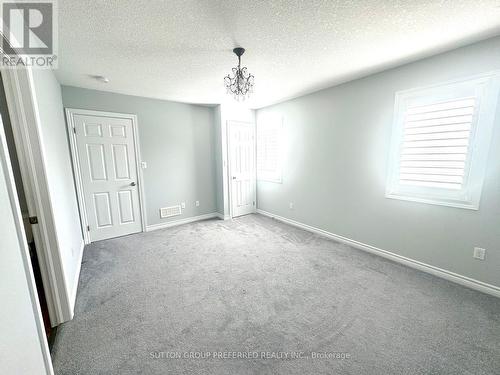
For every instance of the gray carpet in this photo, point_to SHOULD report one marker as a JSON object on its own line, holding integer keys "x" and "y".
{"x": 257, "y": 286}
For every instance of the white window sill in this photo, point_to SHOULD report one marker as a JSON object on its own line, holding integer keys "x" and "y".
{"x": 435, "y": 201}
{"x": 275, "y": 181}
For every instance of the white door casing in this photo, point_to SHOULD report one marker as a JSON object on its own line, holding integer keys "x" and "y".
{"x": 242, "y": 169}
{"x": 106, "y": 153}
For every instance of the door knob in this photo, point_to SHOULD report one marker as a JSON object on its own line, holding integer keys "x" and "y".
{"x": 132, "y": 183}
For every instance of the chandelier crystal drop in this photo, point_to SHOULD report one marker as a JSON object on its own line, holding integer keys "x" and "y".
{"x": 241, "y": 83}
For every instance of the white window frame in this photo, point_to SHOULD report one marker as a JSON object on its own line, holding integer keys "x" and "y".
{"x": 485, "y": 88}
{"x": 275, "y": 121}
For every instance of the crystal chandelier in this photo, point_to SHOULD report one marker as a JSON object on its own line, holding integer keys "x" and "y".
{"x": 240, "y": 85}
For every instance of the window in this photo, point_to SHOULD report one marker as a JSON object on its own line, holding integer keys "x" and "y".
{"x": 269, "y": 148}
{"x": 440, "y": 142}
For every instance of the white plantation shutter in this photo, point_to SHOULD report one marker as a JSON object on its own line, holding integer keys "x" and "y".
{"x": 440, "y": 142}
{"x": 435, "y": 144}
{"x": 269, "y": 149}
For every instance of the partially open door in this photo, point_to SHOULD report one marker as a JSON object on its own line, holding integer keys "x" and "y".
{"x": 23, "y": 111}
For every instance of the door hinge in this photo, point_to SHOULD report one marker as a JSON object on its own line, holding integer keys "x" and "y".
{"x": 88, "y": 228}
{"x": 254, "y": 203}
{"x": 33, "y": 219}
{"x": 74, "y": 130}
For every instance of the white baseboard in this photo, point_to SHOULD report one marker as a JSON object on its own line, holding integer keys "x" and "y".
{"x": 76, "y": 278}
{"x": 223, "y": 217}
{"x": 439, "y": 272}
{"x": 187, "y": 220}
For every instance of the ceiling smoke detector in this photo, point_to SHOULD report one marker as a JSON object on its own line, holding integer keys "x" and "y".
{"x": 102, "y": 79}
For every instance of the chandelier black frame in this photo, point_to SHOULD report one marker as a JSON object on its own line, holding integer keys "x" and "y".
{"x": 241, "y": 84}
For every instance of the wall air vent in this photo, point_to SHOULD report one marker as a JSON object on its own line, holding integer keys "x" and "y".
{"x": 170, "y": 211}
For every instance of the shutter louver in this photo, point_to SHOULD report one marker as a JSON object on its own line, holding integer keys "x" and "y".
{"x": 435, "y": 144}
{"x": 268, "y": 150}
{"x": 269, "y": 141}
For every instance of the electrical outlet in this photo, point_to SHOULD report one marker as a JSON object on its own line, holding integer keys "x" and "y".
{"x": 291, "y": 206}
{"x": 197, "y": 203}
{"x": 479, "y": 253}
{"x": 144, "y": 165}
{"x": 183, "y": 205}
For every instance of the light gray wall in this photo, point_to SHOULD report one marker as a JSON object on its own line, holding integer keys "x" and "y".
{"x": 218, "y": 157}
{"x": 21, "y": 351}
{"x": 177, "y": 142}
{"x": 336, "y": 165}
{"x": 59, "y": 172}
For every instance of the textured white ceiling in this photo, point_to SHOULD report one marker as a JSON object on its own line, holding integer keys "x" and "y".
{"x": 181, "y": 49}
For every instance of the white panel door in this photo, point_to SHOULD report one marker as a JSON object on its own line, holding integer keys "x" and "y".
{"x": 107, "y": 161}
{"x": 242, "y": 167}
